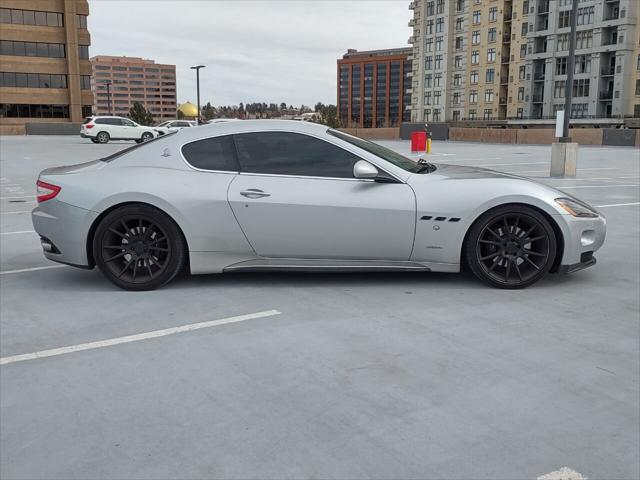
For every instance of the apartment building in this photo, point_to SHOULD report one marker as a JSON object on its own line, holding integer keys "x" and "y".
{"x": 119, "y": 82}
{"x": 44, "y": 61}
{"x": 506, "y": 59}
{"x": 374, "y": 88}
{"x": 606, "y": 66}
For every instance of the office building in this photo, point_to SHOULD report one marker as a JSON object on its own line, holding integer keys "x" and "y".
{"x": 373, "y": 88}
{"x": 119, "y": 82}
{"x": 44, "y": 61}
{"x": 506, "y": 59}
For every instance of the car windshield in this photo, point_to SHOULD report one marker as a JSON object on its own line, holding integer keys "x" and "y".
{"x": 379, "y": 151}
{"x": 164, "y": 124}
{"x": 87, "y": 120}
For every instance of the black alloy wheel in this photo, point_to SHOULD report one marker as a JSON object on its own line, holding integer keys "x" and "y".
{"x": 103, "y": 137}
{"x": 511, "y": 247}
{"x": 139, "y": 248}
{"x": 146, "y": 136}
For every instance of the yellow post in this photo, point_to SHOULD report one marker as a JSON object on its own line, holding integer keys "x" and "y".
{"x": 428, "y": 144}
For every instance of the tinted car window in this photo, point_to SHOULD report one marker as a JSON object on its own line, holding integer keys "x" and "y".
{"x": 285, "y": 153}
{"x": 212, "y": 154}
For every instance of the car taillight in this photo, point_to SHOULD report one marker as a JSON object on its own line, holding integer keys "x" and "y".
{"x": 46, "y": 191}
{"x": 89, "y": 125}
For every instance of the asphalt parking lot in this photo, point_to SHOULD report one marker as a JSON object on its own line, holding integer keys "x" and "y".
{"x": 377, "y": 375}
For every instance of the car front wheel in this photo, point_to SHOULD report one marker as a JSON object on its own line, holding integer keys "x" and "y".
{"x": 146, "y": 136}
{"x": 511, "y": 247}
{"x": 138, "y": 247}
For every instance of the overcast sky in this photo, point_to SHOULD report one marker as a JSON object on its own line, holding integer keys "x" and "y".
{"x": 254, "y": 50}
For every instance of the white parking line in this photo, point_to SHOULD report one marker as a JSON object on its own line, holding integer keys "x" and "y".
{"x": 618, "y": 205}
{"x": 597, "y": 186}
{"x": 15, "y": 213}
{"x": 33, "y": 269}
{"x": 17, "y": 233}
{"x": 135, "y": 338}
{"x": 510, "y": 164}
{"x": 21, "y": 196}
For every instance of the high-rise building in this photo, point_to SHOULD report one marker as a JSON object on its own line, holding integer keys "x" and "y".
{"x": 130, "y": 80}
{"x": 44, "y": 61}
{"x": 606, "y": 62}
{"x": 373, "y": 88}
{"x": 507, "y": 59}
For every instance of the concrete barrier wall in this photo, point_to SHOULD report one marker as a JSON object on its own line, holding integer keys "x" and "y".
{"x": 374, "y": 133}
{"x": 536, "y": 136}
{"x": 533, "y": 136}
{"x": 439, "y": 131}
{"x": 12, "y": 129}
{"x": 53, "y": 128}
{"x": 619, "y": 136}
{"x": 486, "y": 135}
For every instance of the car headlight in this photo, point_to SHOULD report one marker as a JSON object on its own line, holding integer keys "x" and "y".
{"x": 575, "y": 208}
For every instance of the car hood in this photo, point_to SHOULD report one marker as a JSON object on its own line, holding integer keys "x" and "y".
{"x": 462, "y": 172}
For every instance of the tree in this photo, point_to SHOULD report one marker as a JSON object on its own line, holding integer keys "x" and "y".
{"x": 141, "y": 115}
{"x": 208, "y": 112}
{"x": 180, "y": 115}
{"x": 328, "y": 115}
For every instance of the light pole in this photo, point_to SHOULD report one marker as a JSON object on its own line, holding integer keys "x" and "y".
{"x": 571, "y": 61}
{"x": 197, "y": 69}
{"x": 108, "y": 83}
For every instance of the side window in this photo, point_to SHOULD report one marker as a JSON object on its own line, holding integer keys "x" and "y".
{"x": 128, "y": 123}
{"x": 285, "y": 153}
{"x": 216, "y": 153}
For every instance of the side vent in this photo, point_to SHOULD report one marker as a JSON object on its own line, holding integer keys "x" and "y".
{"x": 426, "y": 217}
{"x": 454, "y": 219}
{"x": 440, "y": 219}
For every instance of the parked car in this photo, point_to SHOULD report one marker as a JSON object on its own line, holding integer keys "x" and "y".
{"x": 287, "y": 195}
{"x": 104, "y": 128}
{"x": 171, "y": 126}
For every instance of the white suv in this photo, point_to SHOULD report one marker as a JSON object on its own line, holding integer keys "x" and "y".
{"x": 103, "y": 129}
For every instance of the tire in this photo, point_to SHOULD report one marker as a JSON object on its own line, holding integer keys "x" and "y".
{"x": 103, "y": 137}
{"x": 511, "y": 247}
{"x": 138, "y": 140}
{"x": 138, "y": 247}
{"x": 94, "y": 140}
{"x": 146, "y": 136}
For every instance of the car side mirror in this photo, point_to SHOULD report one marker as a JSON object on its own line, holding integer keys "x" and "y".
{"x": 363, "y": 169}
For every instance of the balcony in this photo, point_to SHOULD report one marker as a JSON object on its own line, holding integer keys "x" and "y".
{"x": 611, "y": 16}
{"x": 506, "y": 39}
{"x": 606, "y": 96}
{"x": 503, "y": 101}
{"x": 412, "y": 22}
{"x": 538, "y": 98}
{"x": 608, "y": 71}
{"x": 413, "y": 5}
{"x": 504, "y": 60}
{"x": 538, "y": 77}
{"x": 412, "y": 39}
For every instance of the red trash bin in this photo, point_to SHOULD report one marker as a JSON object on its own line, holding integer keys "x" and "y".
{"x": 418, "y": 141}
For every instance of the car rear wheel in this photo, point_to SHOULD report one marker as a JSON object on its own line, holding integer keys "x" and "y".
{"x": 511, "y": 247}
{"x": 138, "y": 247}
{"x": 103, "y": 137}
{"x": 146, "y": 136}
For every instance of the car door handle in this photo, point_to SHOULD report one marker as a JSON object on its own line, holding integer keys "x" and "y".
{"x": 254, "y": 193}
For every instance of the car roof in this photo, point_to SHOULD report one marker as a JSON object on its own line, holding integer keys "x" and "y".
{"x": 244, "y": 126}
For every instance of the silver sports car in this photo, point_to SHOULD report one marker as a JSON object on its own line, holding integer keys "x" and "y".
{"x": 284, "y": 195}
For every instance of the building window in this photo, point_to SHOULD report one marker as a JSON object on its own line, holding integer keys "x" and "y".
{"x": 429, "y": 44}
{"x": 429, "y": 27}
{"x": 31, "y": 17}
{"x": 437, "y": 95}
{"x": 438, "y": 44}
{"x": 584, "y": 39}
{"x": 491, "y": 55}
{"x": 476, "y": 17}
{"x": 85, "y": 82}
{"x": 521, "y": 94}
{"x": 488, "y": 95}
{"x": 488, "y": 114}
{"x": 18, "y": 110}
{"x": 31, "y": 49}
{"x": 438, "y": 62}
{"x": 473, "y": 77}
{"x": 523, "y": 31}
{"x": 493, "y": 14}
{"x": 585, "y": 15}
{"x": 558, "y": 89}
{"x": 475, "y": 57}
{"x": 491, "y": 73}
{"x": 562, "y": 42}
{"x": 81, "y": 21}
{"x": 521, "y": 72}
{"x": 475, "y": 37}
{"x": 459, "y": 24}
{"x": 456, "y": 115}
{"x": 456, "y": 98}
{"x": 83, "y": 51}
{"x": 472, "y": 115}
{"x": 459, "y": 43}
{"x": 459, "y": 5}
{"x": 430, "y": 8}
{"x": 492, "y": 35}
{"x": 564, "y": 19}
{"x": 436, "y": 114}
{"x": 561, "y": 66}
{"x": 583, "y": 64}
{"x": 473, "y": 96}
{"x": 579, "y": 110}
{"x": 32, "y": 80}
{"x": 440, "y": 25}
{"x": 428, "y": 80}
{"x": 427, "y": 98}
{"x": 520, "y": 113}
{"x": 457, "y": 80}
{"x": 437, "y": 80}
{"x": 457, "y": 62}
{"x": 428, "y": 63}
{"x": 581, "y": 87}
{"x": 440, "y": 6}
